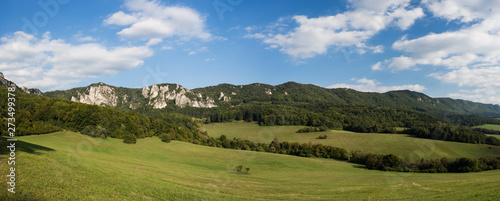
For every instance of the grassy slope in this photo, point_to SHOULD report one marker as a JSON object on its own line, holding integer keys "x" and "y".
{"x": 401, "y": 145}
{"x": 490, "y": 126}
{"x": 70, "y": 166}
{"x": 497, "y": 136}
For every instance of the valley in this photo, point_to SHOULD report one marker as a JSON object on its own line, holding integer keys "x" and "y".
{"x": 399, "y": 144}
{"x": 97, "y": 169}
{"x": 154, "y": 144}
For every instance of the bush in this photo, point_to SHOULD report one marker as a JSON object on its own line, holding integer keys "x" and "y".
{"x": 165, "y": 137}
{"x": 322, "y": 137}
{"x": 129, "y": 138}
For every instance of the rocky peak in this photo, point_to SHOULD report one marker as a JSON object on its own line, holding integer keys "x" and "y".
{"x": 100, "y": 94}
{"x": 8, "y": 83}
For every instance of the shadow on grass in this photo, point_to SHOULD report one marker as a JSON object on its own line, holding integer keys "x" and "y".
{"x": 359, "y": 166}
{"x": 21, "y": 146}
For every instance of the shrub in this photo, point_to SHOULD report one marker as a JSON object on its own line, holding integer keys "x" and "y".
{"x": 129, "y": 138}
{"x": 165, "y": 137}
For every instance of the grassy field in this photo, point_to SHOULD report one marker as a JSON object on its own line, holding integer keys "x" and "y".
{"x": 490, "y": 126}
{"x": 70, "y": 166}
{"x": 497, "y": 136}
{"x": 401, "y": 145}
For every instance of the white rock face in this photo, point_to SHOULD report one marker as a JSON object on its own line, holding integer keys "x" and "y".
{"x": 124, "y": 98}
{"x": 145, "y": 92}
{"x": 268, "y": 92}
{"x": 158, "y": 97}
{"x": 101, "y": 95}
{"x": 224, "y": 97}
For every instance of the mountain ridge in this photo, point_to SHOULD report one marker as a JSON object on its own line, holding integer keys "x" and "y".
{"x": 159, "y": 96}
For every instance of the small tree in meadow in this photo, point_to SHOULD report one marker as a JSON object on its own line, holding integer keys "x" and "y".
{"x": 129, "y": 138}
{"x": 164, "y": 137}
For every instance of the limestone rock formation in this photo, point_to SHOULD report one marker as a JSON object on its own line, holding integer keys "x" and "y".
{"x": 102, "y": 95}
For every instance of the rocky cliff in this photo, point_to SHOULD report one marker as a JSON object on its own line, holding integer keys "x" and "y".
{"x": 155, "y": 96}
{"x": 8, "y": 83}
{"x": 159, "y": 95}
{"x": 102, "y": 95}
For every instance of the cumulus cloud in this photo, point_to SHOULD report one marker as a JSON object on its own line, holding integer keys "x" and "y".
{"x": 474, "y": 45}
{"x": 314, "y": 36}
{"x": 146, "y": 20}
{"x": 469, "y": 56}
{"x": 154, "y": 41}
{"x": 49, "y": 64}
{"x": 120, "y": 18}
{"x": 484, "y": 80}
{"x": 367, "y": 85}
{"x": 462, "y": 10}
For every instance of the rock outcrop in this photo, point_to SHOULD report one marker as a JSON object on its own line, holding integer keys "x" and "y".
{"x": 159, "y": 95}
{"x": 102, "y": 95}
{"x": 8, "y": 83}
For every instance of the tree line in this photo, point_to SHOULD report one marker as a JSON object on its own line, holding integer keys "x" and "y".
{"x": 392, "y": 162}
{"x": 388, "y": 162}
{"x": 356, "y": 118}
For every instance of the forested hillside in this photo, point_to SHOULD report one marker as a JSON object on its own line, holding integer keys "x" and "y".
{"x": 38, "y": 115}
{"x": 304, "y": 104}
{"x": 227, "y": 95}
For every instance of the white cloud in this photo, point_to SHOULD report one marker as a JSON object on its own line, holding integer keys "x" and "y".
{"x": 49, "y": 64}
{"x": 193, "y": 52}
{"x": 120, "y": 18}
{"x": 377, "y": 66}
{"x": 314, "y": 36}
{"x": 151, "y": 19}
{"x": 483, "y": 80}
{"x": 476, "y": 44}
{"x": 469, "y": 56}
{"x": 209, "y": 59}
{"x": 462, "y": 10}
{"x": 154, "y": 41}
{"x": 80, "y": 38}
{"x": 167, "y": 47}
{"x": 481, "y": 77}
{"x": 367, "y": 85}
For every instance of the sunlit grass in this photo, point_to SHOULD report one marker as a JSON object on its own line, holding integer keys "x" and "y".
{"x": 70, "y": 166}
{"x": 399, "y": 144}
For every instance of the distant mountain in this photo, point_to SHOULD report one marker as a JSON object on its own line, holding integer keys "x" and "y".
{"x": 307, "y": 93}
{"x": 227, "y": 95}
{"x": 8, "y": 83}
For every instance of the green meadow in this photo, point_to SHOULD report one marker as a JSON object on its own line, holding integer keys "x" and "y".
{"x": 490, "y": 126}
{"x": 71, "y": 166}
{"x": 497, "y": 136}
{"x": 399, "y": 144}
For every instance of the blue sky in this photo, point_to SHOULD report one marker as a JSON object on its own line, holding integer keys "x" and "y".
{"x": 444, "y": 48}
